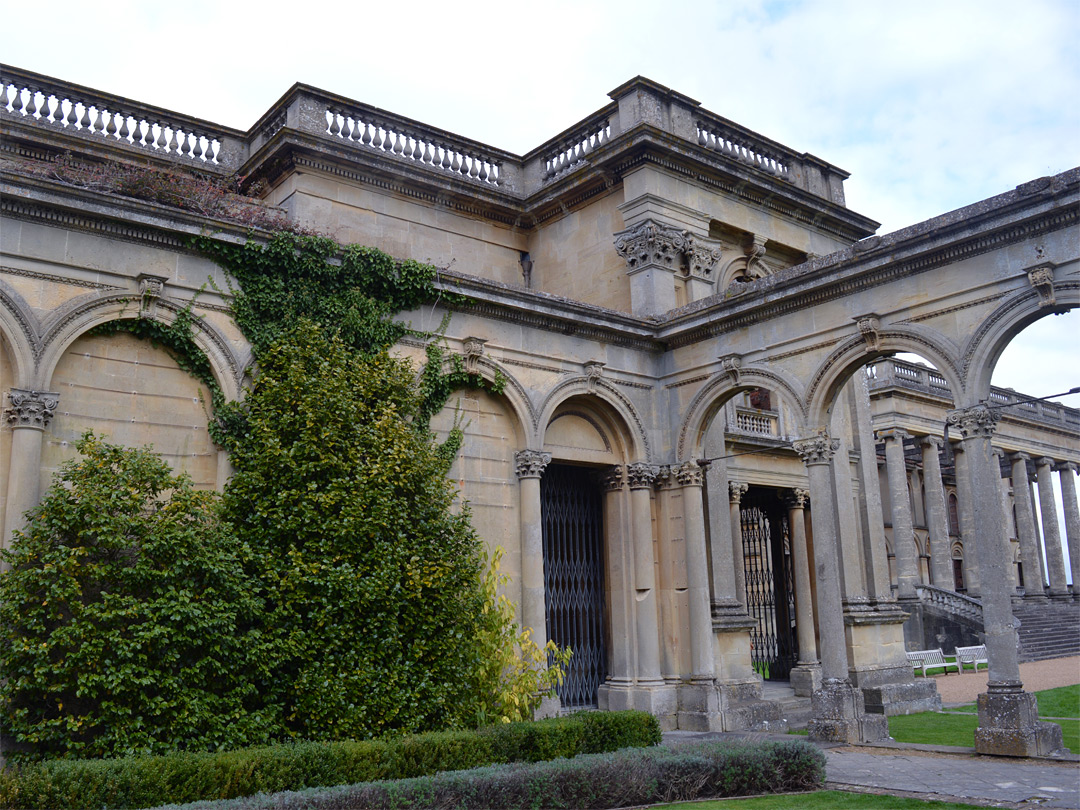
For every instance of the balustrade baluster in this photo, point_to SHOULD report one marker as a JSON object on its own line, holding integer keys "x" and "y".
{"x": 110, "y": 128}
{"x": 159, "y": 141}
{"x": 31, "y": 107}
{"x": 70, "y": 116}
{"x": 366, "y": 139}
{"x": 125, "y": 130}
{"x": 173, "y": 143}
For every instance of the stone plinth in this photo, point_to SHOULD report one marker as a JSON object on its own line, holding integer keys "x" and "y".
{"x": 840, "y": 715}
{"x": 1009, "y": 725}
{"x": 805, "y": 679}
{"x": 661, "y": 700}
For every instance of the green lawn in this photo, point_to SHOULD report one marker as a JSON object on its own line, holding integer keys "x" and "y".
{"x": 936, "y": 728}
{"x": 821, "y": 800}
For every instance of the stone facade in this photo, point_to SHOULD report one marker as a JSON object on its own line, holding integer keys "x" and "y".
{"x": 678, "y": 304}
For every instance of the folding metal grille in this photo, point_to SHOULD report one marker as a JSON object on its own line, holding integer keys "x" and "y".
{"x": 770, "y": 589}
{"x": 573, "y": 536}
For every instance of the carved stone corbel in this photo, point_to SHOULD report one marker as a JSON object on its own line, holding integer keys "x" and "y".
{"x": 731, "y": 364}
{"x": 594, "y": 370}
{"x": 870, "y": 328}
{"x": 473, "y": 348}
{"x": 1042, "y": 279}
{"x": 151, "y": 288}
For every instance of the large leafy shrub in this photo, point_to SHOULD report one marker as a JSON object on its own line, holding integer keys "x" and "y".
{"x": 370, "y": 584}
{"x": 124, "y": 616}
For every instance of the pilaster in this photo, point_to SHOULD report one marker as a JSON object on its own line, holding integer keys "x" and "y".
{"x": 27, "y": 416}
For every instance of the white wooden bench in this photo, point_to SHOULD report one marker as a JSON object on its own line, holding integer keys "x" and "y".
{"x": 972, "y": 655}
{"x": 928, "y": 659}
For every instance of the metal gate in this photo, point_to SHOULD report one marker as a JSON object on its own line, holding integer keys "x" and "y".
{"x": 573, "y": 534}
{"x": 770, "y": 590}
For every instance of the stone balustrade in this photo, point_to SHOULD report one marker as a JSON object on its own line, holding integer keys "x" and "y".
{"x": 717, "y": 135}
{"x": 372, "y": 129}
{"x": 568, "y": 150}
{"x": 118, "y": 121}
{"x": 891, "y": 372}
{"x": 757, "y": 423}
{"x": 955, "y": 604}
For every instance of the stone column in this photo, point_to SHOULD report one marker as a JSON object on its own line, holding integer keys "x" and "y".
{"x": 1008, "y": 716}
{"x": 529, "y": 466}
{"x": 1067, "y": 476}
{"x": 27, "y": 416}
{"x": 907, "y": 563}
{"x": 737, "y": 489}
{"x": 965, "y": 503}
{"x": 1006, "y": 510}
{"x": 806, "y": 675}
{"x": 1055, "y": 559}
{"x": 839, "y": 708}
{"x": 937, "y": 519}
{"x": 1025, "y": 529}
{"x": 699, "y": 704}
{"x": 617, "y": 581}
{"x": 875, "y": 554}
{"x": 641, "y": 478}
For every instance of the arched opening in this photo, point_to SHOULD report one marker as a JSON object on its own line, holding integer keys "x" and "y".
{"x": 133, "y": 393}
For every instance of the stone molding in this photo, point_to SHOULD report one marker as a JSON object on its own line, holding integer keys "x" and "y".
{"x": 817, "y": 449}
{"x": 30, "y": 409}
{"x": 978, "y": 421}
{"x": 641, "y": 475}
{"x": 530, "y": 463}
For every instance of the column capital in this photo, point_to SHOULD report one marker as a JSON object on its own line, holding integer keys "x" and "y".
{"x": 1066, "y": 466}
{"x": 530, "y": 463}
{"x": 736, "y": 489}
{"x": 611, "y": 479}
{"x": 795, "y": 498}
{"x": 30, "y": 409}
{"x": 651, "y": 243}
{"x": 885, "y": 434}
{"x": 642, "y": 475}
{"x": 997, "y": 451}
{"x": 975, "y": 422}
{"x": 690, "y": 474}
{"x": 817, "y": 449}
{"x": 1020, "y": 455}
{"x": 1045, "y": 461}
{"x": 935, "y": 442}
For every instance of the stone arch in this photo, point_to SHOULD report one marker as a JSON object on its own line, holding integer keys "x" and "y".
{"x": 86, "y": 312}
{"x": 982, "y": 351}
{"x": 609, "y": 406}
{"x": 856, "y": 351}
{"x": 721, "y": 387}
{"x": 513, "y": 391}
{"x": 18, "y": 329}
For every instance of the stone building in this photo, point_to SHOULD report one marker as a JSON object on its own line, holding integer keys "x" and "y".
{"x": 705, "y": 448}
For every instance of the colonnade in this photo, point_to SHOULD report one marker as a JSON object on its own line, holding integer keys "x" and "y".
{"x": 1027, "y": 523}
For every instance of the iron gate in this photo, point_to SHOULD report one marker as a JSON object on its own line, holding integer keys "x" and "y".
{"x": 770, "y": 591}
{"x": 573, "y": 535}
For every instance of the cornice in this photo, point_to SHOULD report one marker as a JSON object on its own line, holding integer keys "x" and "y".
{"x": 855, "y": 269}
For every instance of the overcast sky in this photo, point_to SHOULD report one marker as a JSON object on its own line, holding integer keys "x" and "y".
{"x": 929, "y": 105}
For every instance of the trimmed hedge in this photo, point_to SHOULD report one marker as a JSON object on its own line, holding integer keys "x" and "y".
{"x": 188, "y": 777}
{"x": 626, "y": 778}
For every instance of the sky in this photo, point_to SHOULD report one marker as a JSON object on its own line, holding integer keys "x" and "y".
{"x": 930, "y": 105}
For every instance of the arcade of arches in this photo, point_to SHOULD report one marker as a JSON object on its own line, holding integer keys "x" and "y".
{"x": 708, "y": 466}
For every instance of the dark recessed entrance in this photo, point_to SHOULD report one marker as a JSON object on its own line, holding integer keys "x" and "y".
{"x": 573, "y": 534}
{"x": 770, "y": 590}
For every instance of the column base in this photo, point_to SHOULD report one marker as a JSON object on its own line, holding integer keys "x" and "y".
{"x": 658, "y": 698}
{"x": 699, "y": 706}
{"x": 1060, "y": 596}
{"x": 806, "y": 679}
{"x": 1009, "y": 724}
{"x": 708, "y": 705}
{"x": 840, "y": 715}
{"x": 891, "y": 690}
{"x": 549, "y": 707}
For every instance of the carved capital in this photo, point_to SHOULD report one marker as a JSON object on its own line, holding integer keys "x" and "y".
{"x": 731, "y": 364}
{"x": 892, "y": 434}
{"x": 665, "y": 477}
{"x": 1066, "y": 467}
{"x": 1045, "y": 461}
{"x": 1042, "y": 279}
{"x": 818, "y": 449}
{"x": 870, "y": 329}
{"x": 641, "y": 475}
{"x": 530, "y": 463}
{"x": 935, "y": 442}
{"x": 473, "y": 348}
{"x": 33, "y": 409}
{"x": 611, "y": 479}
{"x": 652, "y": 244}
{"x": 690, "y": 474}
{"x": 974, "y": 422}
{"x": 736, "y": 489}
{"x": 795, "y": 498}
{"x": 1020, "y": 456}
{"x": 702, "y": 256}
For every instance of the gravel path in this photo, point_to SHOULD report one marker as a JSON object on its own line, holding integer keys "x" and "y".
{"x": 1036, "y": 676}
